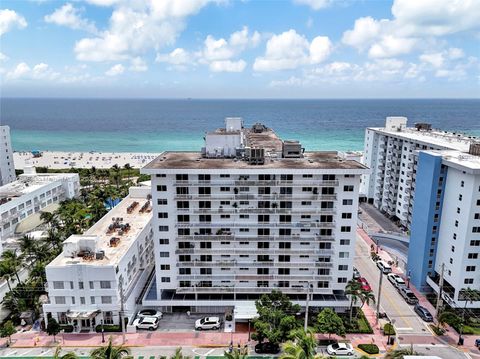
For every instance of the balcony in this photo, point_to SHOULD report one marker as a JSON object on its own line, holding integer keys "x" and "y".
{"x": 233, "y": 289}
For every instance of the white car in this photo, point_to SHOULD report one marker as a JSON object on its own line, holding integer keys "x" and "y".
{"x": 384, "y": 267}
{"x": 207, "y": 323}
{"x": 340, "y": 349}
{"x": 150, "y": 313}
{"x": 396, "y": 280}
{"x": 150, "y": 323}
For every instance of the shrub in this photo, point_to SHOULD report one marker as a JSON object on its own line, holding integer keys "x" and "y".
{"x": 369, "y": 348}
{"x": 375, "y": 256}
{"x": 437, "y": 330}
{"x": 388, "y": 329}
{"x": 67, "y": 328}
{"x": 108, "y": 328}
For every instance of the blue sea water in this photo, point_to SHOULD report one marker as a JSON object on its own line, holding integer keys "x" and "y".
{"x": 150, "y": 125}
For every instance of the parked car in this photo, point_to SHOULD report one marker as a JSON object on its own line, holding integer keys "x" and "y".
{"x": 150, "y": 313}
{"x": 408, "y": 295}
{"x": 340, "y": 349}
{"x": 364, "y": 284}
{"x": 267, "y": 348}
{"x": 477, "y": 343}
{"x": 384, "y": 267}
{"x": 423, "y": 313}
{"x": 395, "y": 279}
{"x": 150, "y": 323}
{"x": 207, "y": 323}
{"x": 356, "y": 273}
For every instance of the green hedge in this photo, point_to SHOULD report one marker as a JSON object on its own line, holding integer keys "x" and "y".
{"x": 108, "y": 328}
{"x": 67, "y": 328}
{"x": 388, "y": 329}
{"x": 369, "y": 348}
{"x": 437, "y": 330}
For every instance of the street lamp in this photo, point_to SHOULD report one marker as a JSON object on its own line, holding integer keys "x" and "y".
{"x": 376, "y": 250}
{"x": 408, "y": 279}
{"x": 379, "y": 295}
{"x": 249, "y": 330}
{"x": 309, "y": 286}
{"x": 103, "y": 335}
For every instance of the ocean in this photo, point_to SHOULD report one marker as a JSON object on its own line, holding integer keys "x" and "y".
{"x": 150, "y": 125}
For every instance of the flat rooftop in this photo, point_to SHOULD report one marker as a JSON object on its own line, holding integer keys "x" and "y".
{"x": 100, "y": 230}
{"x": 194, "y": 160}
{"x": 445, "y": 139}
{"x": 266, "y": 139}
{"x": 461, "y": 160}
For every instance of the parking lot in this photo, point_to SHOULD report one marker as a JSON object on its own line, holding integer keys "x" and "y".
{"x": 181, "y": 322}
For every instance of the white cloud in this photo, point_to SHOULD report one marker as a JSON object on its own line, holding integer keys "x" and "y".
{"x": 115, "y": 70}
{"x": 136, "y": 27}
{"x": 10, "y": 19}
{"x": 314, "y": 4}
{"x": 103, "y": 2}
{"x": 227, "y": 66}
{"x": 434, "y": 59}
{"x": 455, "y": 53}
{"x": 3, "y": 57}
{"x": 69, "y": 16}
{"x": 289, "y": 50}
{"x": 177, "y": 57}
{"x": 138, "y": 65}
{"x": 39, "y": 71}
{"x": 414, "y": 23}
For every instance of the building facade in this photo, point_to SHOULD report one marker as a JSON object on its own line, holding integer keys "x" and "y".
{"x": 109, "y": 263}
{"x": 391, "y": 152}
{"x": 445, "y": 235}
{"x": 32, "y": 193}
{"x": 7, "y": 167}
{"x": 230, "y": 228}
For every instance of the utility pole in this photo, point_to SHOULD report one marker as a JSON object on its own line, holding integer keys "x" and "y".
{"x": 122, "y": 320}
{"x": 379, "y": 295}
{"x": 306, "y": 307}
{"x": 439, "y": 295}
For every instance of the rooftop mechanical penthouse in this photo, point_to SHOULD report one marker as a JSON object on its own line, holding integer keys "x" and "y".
{"x": 250, "y": 213}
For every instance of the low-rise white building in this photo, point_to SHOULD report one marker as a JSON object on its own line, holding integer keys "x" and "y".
{"x": 115, "y": 256}
{"x": 391, "y": 152}
{"x": 7, "y": 168}
{"x": 32, "y": 193}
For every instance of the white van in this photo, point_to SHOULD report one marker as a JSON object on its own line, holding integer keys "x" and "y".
{"x": 384, "y": 267}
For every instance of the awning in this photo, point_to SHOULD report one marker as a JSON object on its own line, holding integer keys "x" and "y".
{"x": 82, "y": 315}
{"x": 33, "y": 221}
{"x": 245, "y": 311}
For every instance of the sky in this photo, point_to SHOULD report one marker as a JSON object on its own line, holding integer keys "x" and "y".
{"x": 240, "y": 49}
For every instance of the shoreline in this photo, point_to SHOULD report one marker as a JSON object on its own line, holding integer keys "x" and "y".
{"x": 67, "y": 160}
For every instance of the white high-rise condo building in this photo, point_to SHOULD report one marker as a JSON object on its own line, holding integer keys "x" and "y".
{"x": 7, "y": 168}
{"x": 446, "y": 224}
{"x": 113, "y": 259}
{"x": 391, "y": 152}
{"x": 22, "y": 201}
{"x": 248, "y": 214}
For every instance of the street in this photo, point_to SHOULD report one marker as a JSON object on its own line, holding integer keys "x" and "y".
{"x": 406, "y": 320}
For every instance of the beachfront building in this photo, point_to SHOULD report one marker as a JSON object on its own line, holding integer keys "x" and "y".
{"x": 391, "y": 152}
{"x": 109, "y": 263}
{"x": 7, "y": 168}
{"x": 248, "y": 214}
{"x": 22, "y": 201}
{"x": 446, "y": 224}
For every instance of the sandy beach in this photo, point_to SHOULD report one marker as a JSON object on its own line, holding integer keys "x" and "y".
{"x": 63, "y": 160}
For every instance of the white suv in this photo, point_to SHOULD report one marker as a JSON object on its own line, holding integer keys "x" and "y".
{"x": 396, "y": 280}
{"x": 384, "y": 267}
{"x": 150, "y": 323}
{"x": 207, "y": 323}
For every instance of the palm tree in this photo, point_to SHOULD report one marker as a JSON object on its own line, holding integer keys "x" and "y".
{"x": 111, "y": 352}
{"x": 237, "y": 353}
{"x": 366, "y": 296}
{"x": 179, "y": 355}
{"x": 469, "y": 295}
{"x": 400, "y": 353}
{"x": 6, "y": 274}
{"x": 13, "y": 261}
{"x": 69, "y": 355}
{"x": 353, "y": 289}
{"x": 292, "y": 350}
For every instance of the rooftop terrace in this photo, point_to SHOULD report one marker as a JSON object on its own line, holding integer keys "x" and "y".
{"x": 194, "y": 160}
{"x": 106, "y": 242}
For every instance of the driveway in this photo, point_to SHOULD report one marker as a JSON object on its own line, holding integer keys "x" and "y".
{"x": 181, "y": 322}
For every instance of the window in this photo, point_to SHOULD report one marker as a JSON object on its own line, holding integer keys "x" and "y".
{"x": 460, "y": 197}
{"x": 453, "y": 248}
{"x": 456, "y": 223}
{"x": 106, "y": 299}
{"x": 348, "y": 188}
{"x": 58, "y": 285}
{"x": 91, "y": 284}
{"x": 161, "y": 188}
{"x": 164, "y": 241}
{"x": 283, "y": 258}
{"x": 82, "y": 300}
{"x": 475, "y": 243}
{"x": 80, "y": 285}
{"x": 162, "y": 215}
{"x": 165, "y": 267}
{"x": 344, "y": 254}
{"x": 344, "y": 242}
{"x": 476, "y": 230}
{"x": 472, "y": 255}
{"x": 284, "y": 271}
{"x": 346, "y": 215}
{"x": 161, "y": 175}
{"x": 164, "y": 254}
{"x": 163, "y": 228}
{"x": 59, "y": 300}
{"x": 468, "y": 281}
{"x": 284, "y": 245}
{"x": 345, "y": 229}
{"x": 162, "y": 201}
{"x": 165, "y": 279}
{"x": 322, "y": 284}
{"x": 342, "y": 280}
{"x": 342, "y": 267}
{"x": 105, "y": 284}
{"x": 347, "y": 202}
{"x": 470, "y": 268}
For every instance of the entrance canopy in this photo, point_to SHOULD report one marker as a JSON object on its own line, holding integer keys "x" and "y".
{"x": 82, "y": 315}
{"x": 245, "y": 311}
